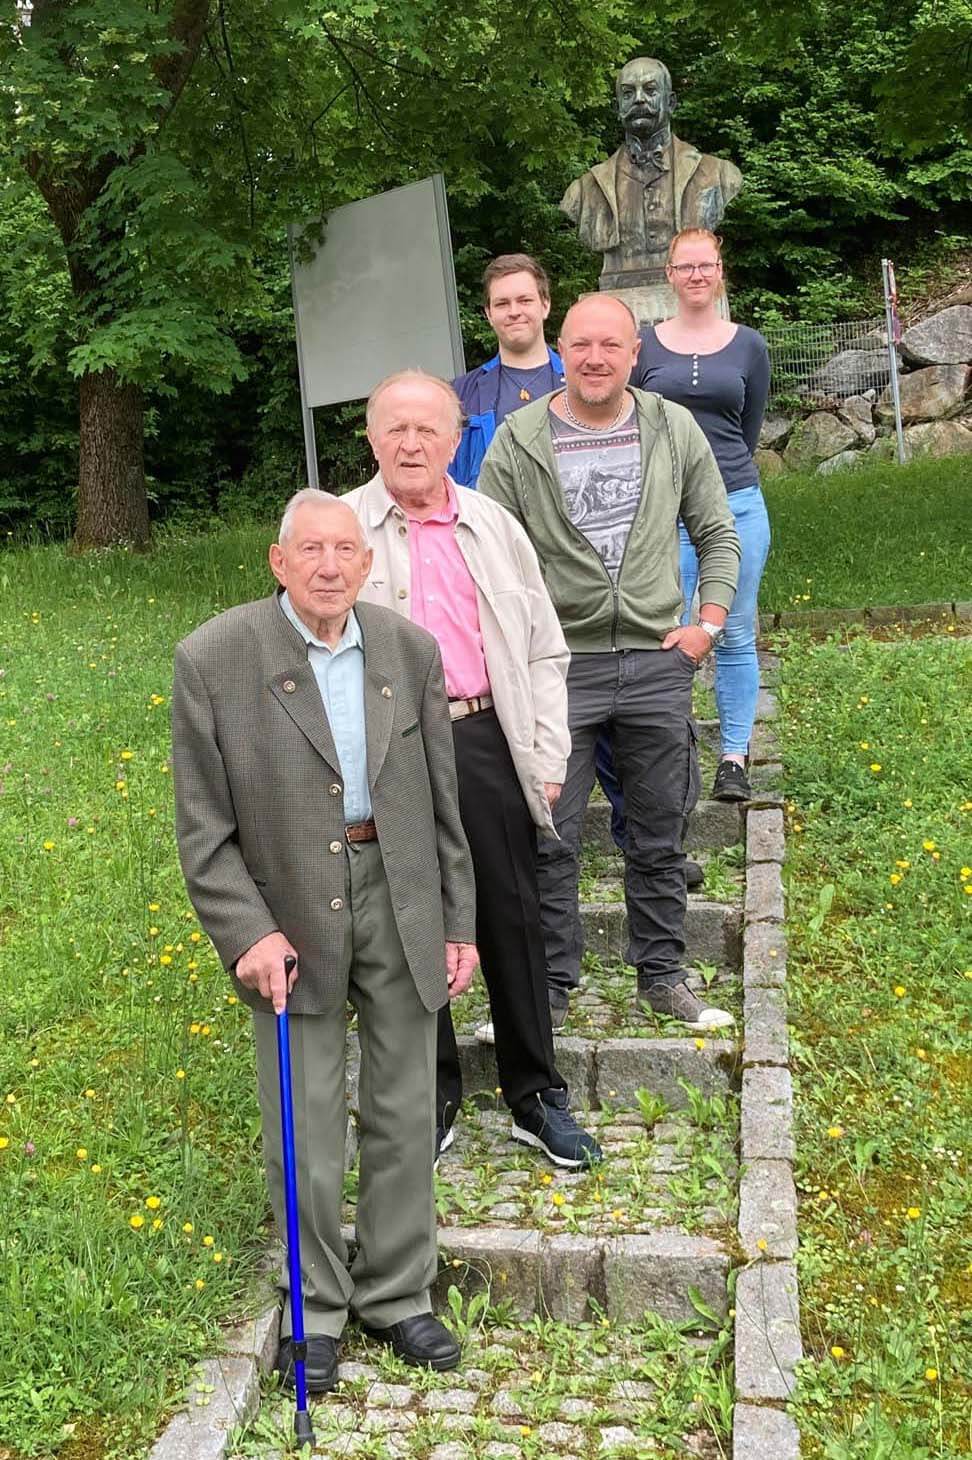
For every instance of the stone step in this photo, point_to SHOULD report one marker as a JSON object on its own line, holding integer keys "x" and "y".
{"x": 713, "y": 826}
{"x": 713, "y": 931}
{"x": 609, "y": 1072}
{"x": 570, "y": 1277}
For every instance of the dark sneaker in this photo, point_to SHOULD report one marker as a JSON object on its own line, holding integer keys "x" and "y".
{"x": 559, "y": 1004}
{"x": 547, "y": 1124}
{"x": 421, "y": 1340}
{"x": 694, "y": 875}
{"x": 731, "y": 783}
{"x": 444, "y": 1137}
{"x": 320, "y": 1366}
{"x": 677, "y": 1001}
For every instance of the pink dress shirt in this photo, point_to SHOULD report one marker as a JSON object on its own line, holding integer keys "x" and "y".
{"x": 444, "y": 601}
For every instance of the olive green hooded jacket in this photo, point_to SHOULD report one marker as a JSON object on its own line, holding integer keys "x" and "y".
{"x": 679, "y": 479}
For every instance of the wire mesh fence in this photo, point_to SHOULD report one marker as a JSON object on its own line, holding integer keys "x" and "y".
{"x": 824, "y": 363}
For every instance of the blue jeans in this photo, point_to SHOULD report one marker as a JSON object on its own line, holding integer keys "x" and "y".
{"x": 736, "y": 667}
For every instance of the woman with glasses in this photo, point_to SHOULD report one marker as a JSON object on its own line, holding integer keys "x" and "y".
{"x": 720, "y": 371}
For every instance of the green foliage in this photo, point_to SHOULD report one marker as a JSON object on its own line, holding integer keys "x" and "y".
{"x": 851, "y": 124}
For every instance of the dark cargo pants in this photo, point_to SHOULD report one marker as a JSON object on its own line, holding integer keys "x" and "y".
{"x": 642, "y": 699}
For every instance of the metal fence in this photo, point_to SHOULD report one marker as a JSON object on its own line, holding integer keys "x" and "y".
{"x": 823, "y": 363}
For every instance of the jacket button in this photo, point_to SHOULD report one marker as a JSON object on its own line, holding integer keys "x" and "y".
{"x": 385, "y": 692}
{"x": 336, "y": 904}
{"x": 334, "y": 789}
{"x": 403, "y": 532}
{"x": 288, "y": 686}
{"x": 403, "y": 592}
{"x": 336, "y": 847}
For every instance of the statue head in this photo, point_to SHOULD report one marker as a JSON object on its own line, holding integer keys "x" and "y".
{"x": 645, "y": 97}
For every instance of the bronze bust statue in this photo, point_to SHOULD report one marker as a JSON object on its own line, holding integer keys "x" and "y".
{"x": 630, "y": 207}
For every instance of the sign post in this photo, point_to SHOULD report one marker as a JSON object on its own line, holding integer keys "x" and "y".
{"x": 893, "y": 326}
{"x": 378, "y": 295}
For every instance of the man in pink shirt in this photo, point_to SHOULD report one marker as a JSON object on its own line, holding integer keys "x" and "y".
{"x": 463, "y": 568}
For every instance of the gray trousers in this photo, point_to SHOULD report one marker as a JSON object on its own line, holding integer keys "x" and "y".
{"x": 642, "y": 699}
{"x": 396, "y": 1258}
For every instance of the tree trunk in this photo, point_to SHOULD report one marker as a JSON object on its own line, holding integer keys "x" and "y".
{"x": 112, "y": 501}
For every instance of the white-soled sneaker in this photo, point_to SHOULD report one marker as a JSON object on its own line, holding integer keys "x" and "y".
{"x": 485, "y": 1033}
{"x": 677, "y": 1001}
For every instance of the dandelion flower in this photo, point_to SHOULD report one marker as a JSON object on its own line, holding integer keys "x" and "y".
{"x": 902, "y": 862}
{"x": 194, "y": 937}
{"x": 209, "y": 1241}
{"x": 837, "y": 1352}
{"x": 865, "y": 745}
{"x": 154, "y": 906}
{"x": 928, "y": 845}
{"x": 187, "y": 1228}
{"x": 136, "y": 1221}
{"x": 558, "y": 1198}
{"x": 913, "y": 1213}
{"x": 48, "y": 846}
{"x": 907, "y": 802}
{"x": 89, "y": 1094}
{"x": 200, "y": 1283}
{"x": 153, "y": 1203}
{"x": 931, "y": 1375}
{"x": 96, "y": 1169}
{"x": 895, "y": 878}
{"x": 762, "y": 1244}
{"x": 180, "y": 1074}
{"x": 158, "y": 1224}
{"x": 4, "y": 1142}
{"x": 899, "y": 990}
{"x": 165, "y": 959}
{"x": 81, "y": 1153}
{"x": 875, "y": 767}
{"x": 700, "y": 1044}
{"x": 217, "y": 1257}
{"x": 835, "y": 1132}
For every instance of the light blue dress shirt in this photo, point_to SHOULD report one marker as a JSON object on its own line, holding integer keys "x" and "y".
{"x": 340, "y": 678}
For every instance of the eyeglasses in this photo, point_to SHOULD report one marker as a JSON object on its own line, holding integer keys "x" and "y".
{"x": 685, "y": 271}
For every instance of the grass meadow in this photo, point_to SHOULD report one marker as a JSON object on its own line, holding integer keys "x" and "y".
{"x": 132, "y": 1206}
{"x": 882, "y": 534}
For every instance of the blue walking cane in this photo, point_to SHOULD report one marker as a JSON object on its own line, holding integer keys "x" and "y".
{"x": 302, "y": 1425}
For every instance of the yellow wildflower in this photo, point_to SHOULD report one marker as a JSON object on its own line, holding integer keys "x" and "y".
{"x": 835, "y": 1132}
{"x": 81, "y": 1153}
{"x": 913, "y": 1213}
{"x": 837, "y": 1351}
{"x": 153, "y": 1203}
{"x": 899, "y": 991}
{"x": 136, "y": 1221}
{"x": 931, "y": 1375}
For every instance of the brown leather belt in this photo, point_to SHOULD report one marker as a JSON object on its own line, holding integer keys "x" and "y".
{"x": 361, "y": 831}
{"x": 459, "y": 709}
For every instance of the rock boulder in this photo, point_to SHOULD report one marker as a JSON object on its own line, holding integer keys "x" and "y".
{"x": 774, "y": 430}
{"x": 768, "y": 463}
{"x": 938, "y": 438}
{"x": 857, "y": 412}
{"x": 928, "y": 395}
{"x": 816, "y": 439}
{"x": 853, "y": 371}
{"x": 944, "y": 338}
{"x": 843, "y": 461}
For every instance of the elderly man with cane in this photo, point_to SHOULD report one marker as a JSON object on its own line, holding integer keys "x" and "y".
{"x": 317, "y": 820}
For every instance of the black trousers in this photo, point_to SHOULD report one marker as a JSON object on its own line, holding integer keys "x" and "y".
{"x": 502, "y": 839}
{"x": 642, "y": 699}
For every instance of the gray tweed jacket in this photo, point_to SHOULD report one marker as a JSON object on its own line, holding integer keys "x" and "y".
{"x": 259, "y": 811}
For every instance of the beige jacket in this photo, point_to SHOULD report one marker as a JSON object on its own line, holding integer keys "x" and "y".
{"x": 526, "y": 653}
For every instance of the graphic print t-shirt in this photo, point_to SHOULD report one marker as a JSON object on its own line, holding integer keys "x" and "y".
{"x": 600, "y": 477}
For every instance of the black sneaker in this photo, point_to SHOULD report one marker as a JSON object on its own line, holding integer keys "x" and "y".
{"x": 559, "y": 1005}
{"x": 694, "y": 875}
{"x": 731, "y": 782}
{"x": 547, "y": 1124}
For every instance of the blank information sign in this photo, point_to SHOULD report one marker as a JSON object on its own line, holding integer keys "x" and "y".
{"x": 378, "y": 296}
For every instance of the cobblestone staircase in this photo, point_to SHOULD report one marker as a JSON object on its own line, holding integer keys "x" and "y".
{"x": 594, "y": 1308}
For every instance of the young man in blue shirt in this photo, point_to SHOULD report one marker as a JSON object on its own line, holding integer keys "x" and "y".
{"x": 516, "y": 301}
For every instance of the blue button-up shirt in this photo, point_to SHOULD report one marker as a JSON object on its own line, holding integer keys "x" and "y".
{"x": 340, "y": 678}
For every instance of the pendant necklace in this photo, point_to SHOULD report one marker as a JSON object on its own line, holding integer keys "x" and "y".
{"x": 526, "y": 391}
{"x": 580, "y": 424}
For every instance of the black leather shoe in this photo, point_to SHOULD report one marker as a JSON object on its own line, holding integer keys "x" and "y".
{"x": 694, "y": 875}
{"x": 320, "y": 1366}
{"x": 419, "y": 1340}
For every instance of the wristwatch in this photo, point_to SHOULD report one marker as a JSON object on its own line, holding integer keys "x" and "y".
{"x": 716, "y": 632}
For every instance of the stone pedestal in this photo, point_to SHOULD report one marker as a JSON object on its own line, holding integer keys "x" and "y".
{"x": 650, "y": 303}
